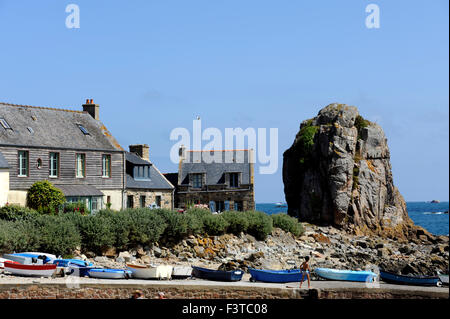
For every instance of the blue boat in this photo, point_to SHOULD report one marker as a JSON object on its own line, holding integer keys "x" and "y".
{"x": 217, "y": 275}
{"x": 280, "y": 276}
{"x": 68, "y": 262}
{"x": 392, "y": 278}
{"x": 346, "y": 275}
{"x": 80, "y": 271}
{"x": 104, "y": 273}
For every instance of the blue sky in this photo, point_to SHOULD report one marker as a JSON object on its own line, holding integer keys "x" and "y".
{"x": 155, "y": 65}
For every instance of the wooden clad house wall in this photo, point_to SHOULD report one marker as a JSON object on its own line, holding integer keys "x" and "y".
{"x": 67, "y": 168}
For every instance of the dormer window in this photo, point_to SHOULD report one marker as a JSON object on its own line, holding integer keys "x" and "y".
{"x": 197, "y": 180}
{"x": 141, "y": 172}
{"x": 234, "y": 179}
{"x": 5, "y": 124}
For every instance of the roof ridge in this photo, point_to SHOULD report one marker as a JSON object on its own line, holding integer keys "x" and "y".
{"x": 41, "y": 107}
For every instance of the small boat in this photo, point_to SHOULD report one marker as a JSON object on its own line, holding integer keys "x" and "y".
{"x": 444, "y": 279}
{"x": 50, "y": 257}
{"x": 346, "y": 275}
{"x": 150, "y": 272}
{"x": 26, "y": 257}
{"x": 2, "y": 260}
{"x": 181, "y": 272}
{"x": 218, "y": 275}
{"x": 80, "y": 271}
{"x": 68, "y": 262}
{"x": 393, "y": 278}
{"x": 30, "y": 270}
{"x": 281, "y": 276}
{"x": 280, "y": 204}
{"x": 103, "y": 273}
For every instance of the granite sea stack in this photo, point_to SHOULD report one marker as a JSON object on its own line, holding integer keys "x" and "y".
{"x": 338, "y": 173}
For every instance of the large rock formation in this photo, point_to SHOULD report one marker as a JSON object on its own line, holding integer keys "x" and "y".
{"x": 338, "y": 173}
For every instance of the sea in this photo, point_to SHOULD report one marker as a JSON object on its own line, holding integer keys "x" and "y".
{"x": 430, "y": 216}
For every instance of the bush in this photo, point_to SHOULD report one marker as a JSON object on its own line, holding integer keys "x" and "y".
{"x": 260, "y": 224}
{"x": 237, "y": 222}
{"x": 16, "y": 212}
{"x": 139, "y": 226}
{"x": 215, "y": 224}
{"x": 179, "y": 225}
{"x": 44, "y": 197}
{"x": 288, "y": 224}
{"x": 96, "y": 232}
{"x": 57, "y": 235}
{"x": 20, "y": 235}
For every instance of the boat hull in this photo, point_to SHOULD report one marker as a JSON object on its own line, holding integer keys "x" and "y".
{"x": 30, "y": 270}
{"x": 217, "y": 275}
{"x": 181, "y": 272}
{"x": 444, "y": 279}
{"x": 68, "y": 262}
{"x": 279, "y": 276}
{"x": 408, "y": 280}
{"x": 108, "y": 273}
{"x": 346, "y": 275}
{"x": 150, "y": 272}
{"x": 76, "y": 270}
{"x": 2, "y": 261}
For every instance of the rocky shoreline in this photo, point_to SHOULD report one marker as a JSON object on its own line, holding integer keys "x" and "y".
{"x": 326, "y": 246}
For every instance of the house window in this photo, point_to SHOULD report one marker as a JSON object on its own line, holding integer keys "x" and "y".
{"x": 106, "y": 165}
{"x": 23, "y": 163}
{"x": 81, "y": 166}
{"x": 197, "y": 180}
{"x": 83, "y": 129}
{"x": 142, "y": 172}
{"x": 238, "y": 206}
{"x": 142, "y": 200}
{"x": 53, "y": 165}
{"x": 96, "y": 204}
{"x": 234, "y": 179}
{"x": 130, "y": 201}
{"x": 158, "y": 201}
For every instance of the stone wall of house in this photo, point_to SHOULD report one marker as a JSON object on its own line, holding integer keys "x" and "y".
{"x": 150, "y": 197}
{"x": 247, "y": 197}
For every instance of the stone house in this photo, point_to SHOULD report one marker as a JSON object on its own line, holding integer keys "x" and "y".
{"x": 70, "y": 148}
{"x": 221, "y": 179}
{"x": 145, "y": 185}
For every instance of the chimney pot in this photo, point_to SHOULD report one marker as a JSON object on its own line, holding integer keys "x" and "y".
{"x": 92, "y": 109}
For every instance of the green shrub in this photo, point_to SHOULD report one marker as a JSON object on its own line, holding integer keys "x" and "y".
{"x": 215, "y": 225}
{"x": 57, "y": 235}
{"x": 96, "y": 232}
{"x": 260, "y": 224}
{"x": 237, "y": 222}
{"x": 361, "y": 123}
{"x": 19, "y": 235}
{"x": 140, "y": 226}
{"x": 305, "y": 142}
{"x": 44, "y": 197}
{"x": 179, "y": 225}
{"x": 288, "y": 224}
{"x": 16, "y": 212}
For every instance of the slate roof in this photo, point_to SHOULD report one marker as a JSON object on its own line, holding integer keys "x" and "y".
{"x": 79, "y": 190}
{"x": 3, "y": 162}
{"x": 157, "y": 180}
{"x": 54, "y": 128}
{"x": 232, "y": 161}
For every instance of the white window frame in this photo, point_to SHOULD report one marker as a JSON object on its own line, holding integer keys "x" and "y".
{"x": 53, "y": 165}
{"x": 21, "y": 167}
{"x": 83, "y": 165}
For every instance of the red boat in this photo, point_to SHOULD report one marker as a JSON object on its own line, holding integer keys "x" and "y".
{"x": 46, "y": 270}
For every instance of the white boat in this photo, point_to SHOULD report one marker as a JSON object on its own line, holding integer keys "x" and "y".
{"x": 49, "y": 256}
{"x": 150, "y": 272}
{"x": 30, "y": 270}
{"x": 2, "y": 260}
{"x": 109, "y": 273}
{"x": 25, "y": 260}
{"x": 181, "y": 272}
{"x": 280, "y": 204}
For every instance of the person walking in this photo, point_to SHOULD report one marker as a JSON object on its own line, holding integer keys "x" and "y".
{"x": 304, "y": 267}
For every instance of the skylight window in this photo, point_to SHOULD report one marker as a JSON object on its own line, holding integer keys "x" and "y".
{"x": 30, "y": 130}
{"x": 5, "y": 124}
{"x": 83, "y": 129}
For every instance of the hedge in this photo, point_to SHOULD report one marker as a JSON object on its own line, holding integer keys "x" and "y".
{"x": 23, "y": 229}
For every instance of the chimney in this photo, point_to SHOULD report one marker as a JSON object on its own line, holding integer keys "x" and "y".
{"x": 141, "y": 150}
{"x": 92, "y": 109}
